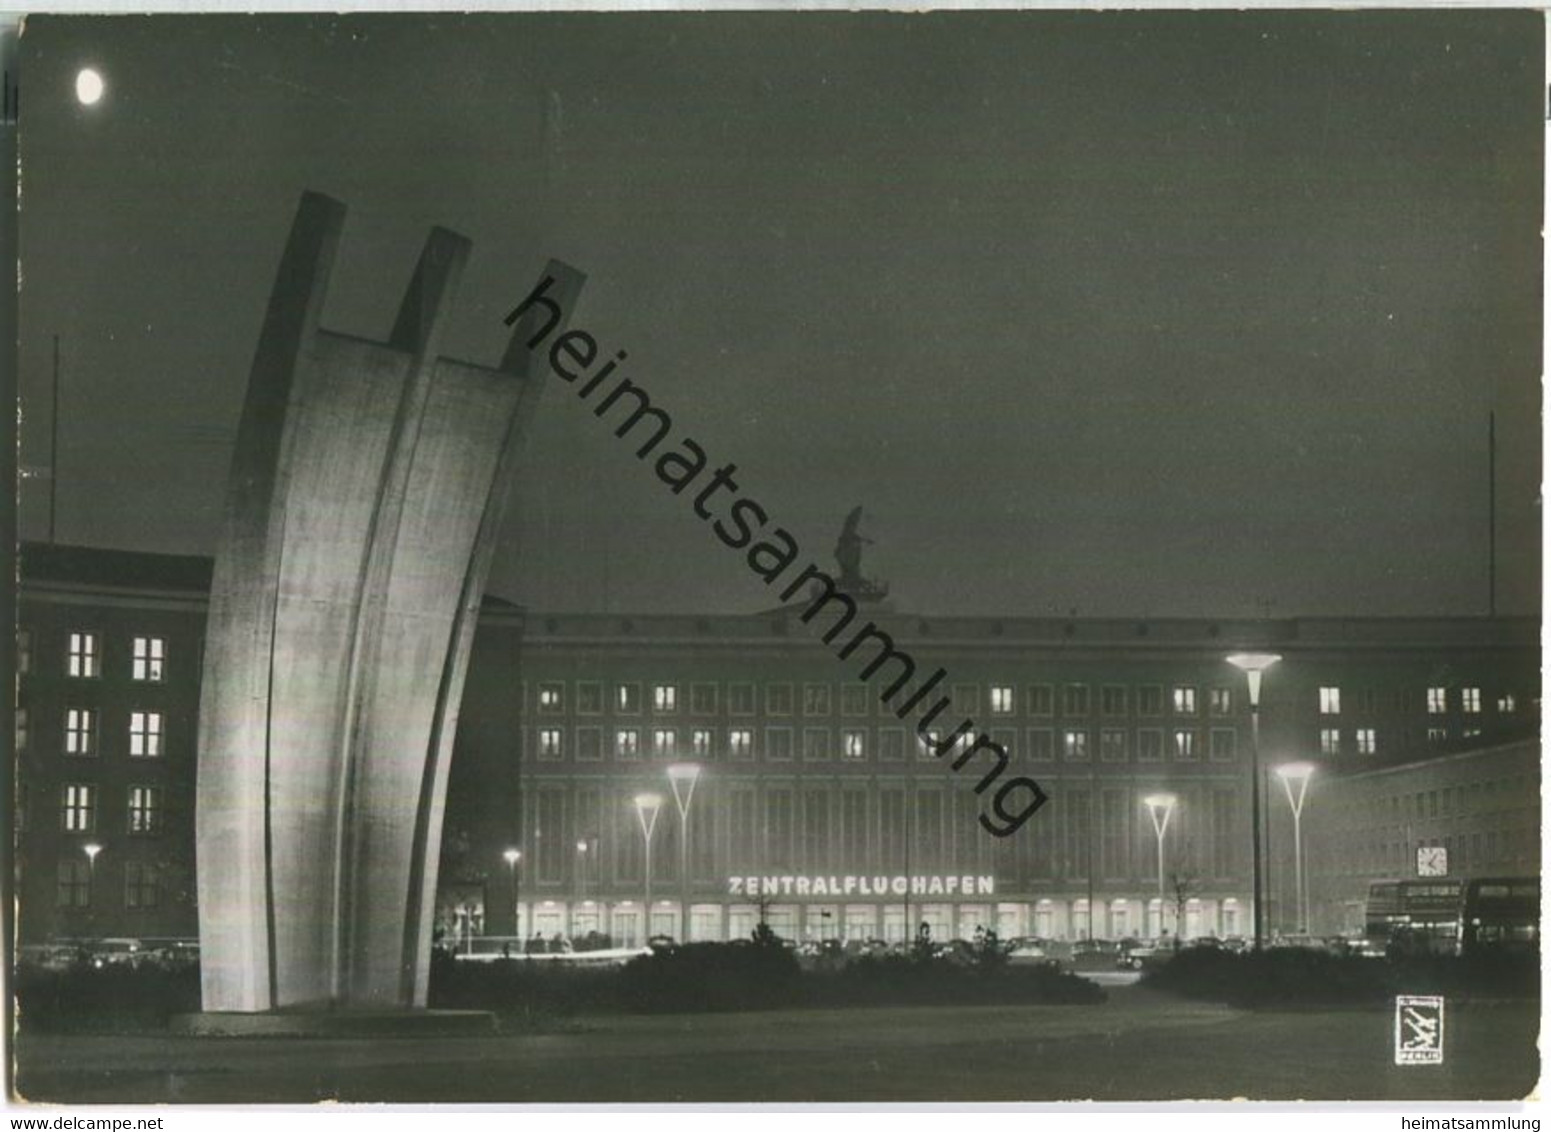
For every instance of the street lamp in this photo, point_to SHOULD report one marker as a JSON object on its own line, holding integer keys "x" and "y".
{"x": 1298, "y": 774}
{"x": 512, "y": 856}
{"x": 1161, "y": 804}
{"x": 1253, "y": 665}
{"x": 647, "y": 807}
{"x": 683, "y": 777}
{"x": 91, "y": 849}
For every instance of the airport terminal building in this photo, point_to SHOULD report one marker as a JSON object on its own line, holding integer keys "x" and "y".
{"x": 814, "y": 806}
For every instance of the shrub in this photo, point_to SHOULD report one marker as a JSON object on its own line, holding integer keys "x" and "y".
{"x": 1280, "y": 977}
{"x": 897, "y": 980}
{"x": 710, "y": 976}
{"x": 111, "y": 999}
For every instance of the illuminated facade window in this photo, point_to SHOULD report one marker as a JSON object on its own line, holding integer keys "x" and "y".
{"x": 79, "y": 801}
{"x": 1437, "y": 701}
{"x": 145, "y": 809}
{"x": 1367, "y": 741}
{"x": 1184, "y": 700}
{"x": 854, "y": 745}
{"x": 147, "y": 659}
{"x": 740, "y": 743}
{"x": 551, "y": 697}
{"x": 1185, "y": 745}
{"x": 80, "y": 731}
{"x": 664, "y": 742}
{"x": 1506, "y": 704}
{"x": 1329, "y": 741}
{"x": 1220, "y": 701}
{"x": 81, "y": 660}
{"x": 627, "y": 743}
{"x": 145, "y": 734}
{"x": 23, "y": 729}
{"x": 700, "y": 743}
{"x": 23, "y": 651}
{"x": 1330, "y": 701}
{"x": 627, "y": 698}
{"x": 1001, "y": 699}
{"x": 665, "y": 698}
{"x": 551, "y": 743}
{"x": 1470, "y": 700}
{"x": 1074, "y": 744}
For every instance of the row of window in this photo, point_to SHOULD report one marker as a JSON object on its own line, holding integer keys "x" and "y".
{"x": 148, "y": 658}
{"x": 1114, "y": 744}
{"x": 78, "y": 808}
{"x": 83, "y": 656}
{"x": 147, "y": 731}
{"x": 77, "y": 878}
{"x": 1001, "y": 699}
{"x": 857, "y": 699}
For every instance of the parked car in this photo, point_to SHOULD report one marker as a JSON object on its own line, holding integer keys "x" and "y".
{"x": 1030, "y": 952}
{"x": 1145, "y": 953}
{"x": 116, "y": 953}
{"x": 1094, "y": 955}
{"x": 662, "y": 943}
{"x": 50, "y": 956}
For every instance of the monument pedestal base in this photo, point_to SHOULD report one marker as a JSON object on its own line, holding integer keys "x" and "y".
{"x": 335, "y": 1024}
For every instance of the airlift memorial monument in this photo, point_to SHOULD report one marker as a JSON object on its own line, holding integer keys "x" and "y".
{"x": 365, "y": 498}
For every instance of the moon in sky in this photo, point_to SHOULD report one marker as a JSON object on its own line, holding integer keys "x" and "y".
{"x": 88, "y": 86}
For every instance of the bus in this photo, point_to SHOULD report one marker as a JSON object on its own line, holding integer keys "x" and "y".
{"x": 1501, "y": 914}
{"x": 1416, "y": 917}
{"x": 1454, "y": 916}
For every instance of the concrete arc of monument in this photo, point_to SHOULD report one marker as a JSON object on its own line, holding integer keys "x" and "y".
{"x": 417, "y": 331}
{"x": 232, "y": 794}
{"x": 528, "y": 366}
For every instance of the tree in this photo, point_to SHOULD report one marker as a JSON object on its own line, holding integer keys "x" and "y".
{"x": 1183, "y": 886}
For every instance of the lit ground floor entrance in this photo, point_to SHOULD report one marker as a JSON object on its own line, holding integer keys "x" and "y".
{"x": 623, "y": 923}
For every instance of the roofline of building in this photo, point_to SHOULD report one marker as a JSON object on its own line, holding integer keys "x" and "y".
{"x": 183, "y": 583}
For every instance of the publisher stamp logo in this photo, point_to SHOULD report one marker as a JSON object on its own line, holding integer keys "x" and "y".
{"x": 1418, "y": 1030}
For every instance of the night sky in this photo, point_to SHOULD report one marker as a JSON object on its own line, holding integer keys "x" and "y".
{"x": 1122, "y": 314}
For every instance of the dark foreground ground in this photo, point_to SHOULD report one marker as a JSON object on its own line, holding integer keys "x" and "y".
{"x": 1141, "y": 1045}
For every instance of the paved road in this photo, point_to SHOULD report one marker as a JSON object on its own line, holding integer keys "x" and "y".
{"x": 1138, "y": 1046}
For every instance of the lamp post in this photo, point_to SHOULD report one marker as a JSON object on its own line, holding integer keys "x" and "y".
{"x": 511, "y": 857}
{"x": 1254, "y": 665}
{"x": 682, "y": 777}
{"x": 1161, "y": 804}
{"x": 647, "y": 807}
{"x": 1297, "y": 775}
{"x": 91, "y": 849}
